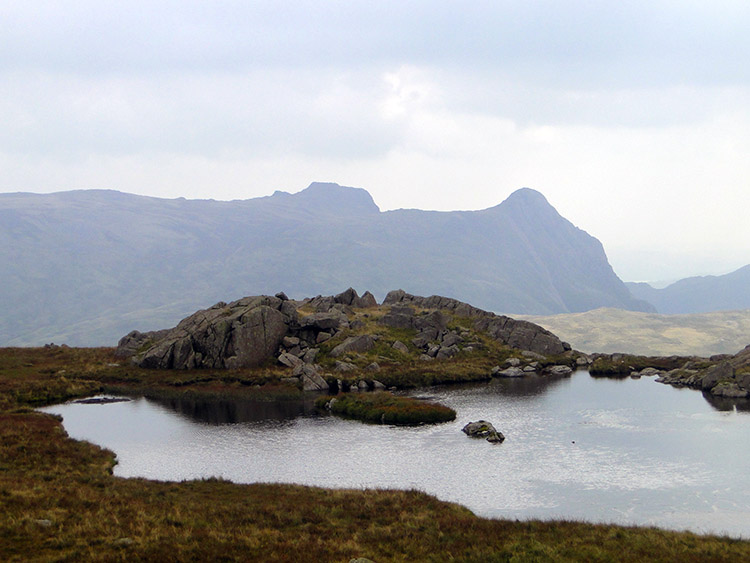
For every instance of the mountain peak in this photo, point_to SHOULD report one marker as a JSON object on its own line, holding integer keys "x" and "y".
{"x": 333, "y": 198}
{"x": 527, "y": 196}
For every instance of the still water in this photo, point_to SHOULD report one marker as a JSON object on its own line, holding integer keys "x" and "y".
{"x": 602, "y": 450}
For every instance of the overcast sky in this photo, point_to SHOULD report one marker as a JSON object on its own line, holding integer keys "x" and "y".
{"x": 632, "y": 118}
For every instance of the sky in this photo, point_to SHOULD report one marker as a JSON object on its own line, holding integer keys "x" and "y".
{"x": 632, "y": 118}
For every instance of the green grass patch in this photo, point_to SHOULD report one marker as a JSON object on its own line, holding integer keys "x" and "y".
{"x": 382, "y": 407}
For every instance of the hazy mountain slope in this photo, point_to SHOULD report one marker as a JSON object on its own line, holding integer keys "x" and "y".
{"x": 699, "y": 294}
{"x": 615, "y": 330}
{"x": 85, "y": 267}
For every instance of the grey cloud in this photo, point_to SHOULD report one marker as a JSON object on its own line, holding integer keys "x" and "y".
{"x": 548, "y": 42}
{"x": 259, "y": 113}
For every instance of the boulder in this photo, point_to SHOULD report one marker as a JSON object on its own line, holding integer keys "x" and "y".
{"x": 510, "y": 372}
{"x": 398, "y": 317}
{"x": 729, "y": 389}
{"x": 328, "y": 321}
{"x": 359, "y": 344}
{"x": 312, "y": 380}
{"x": 310, "y": 355}
{"x": 559, "y": 370}
{"x": 289, "y": 360}
{"x": 719, "y": 372}
{"x": 289, "y": 342}
{"x": 244, "y": 333}
{"x": 400, "y": 347}
{"x": 483, "y": 429}
{"x": 446, "y": 352}
{"x": 452, "y": 339}
{"x": 343, "y": 366}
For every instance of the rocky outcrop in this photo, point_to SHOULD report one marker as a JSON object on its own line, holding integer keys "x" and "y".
{"x": 517, "y": 334}
{"x": 728, "y": 377}
{"x": 244, "y": 333}
{"x": 254, "y": 330}
{"x": 483, "y": 429}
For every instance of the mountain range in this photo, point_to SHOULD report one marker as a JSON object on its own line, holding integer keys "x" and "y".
{"x": 85, "y": 267}
{"x": 699, "y": 294}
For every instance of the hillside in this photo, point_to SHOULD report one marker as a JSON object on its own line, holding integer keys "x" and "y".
{"x": 699, "y": 294}
{"x": 85, "y": 267}
{"x": 613, "y": 330}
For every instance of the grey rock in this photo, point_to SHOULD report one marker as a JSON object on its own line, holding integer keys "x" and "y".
{"x": 310, "y": 355}
{"x": 511, "y": 372}
{"x": 529, "y": 369}
{"x": 433, "y": 351}
{"x": 559, "y": 370}
{"x": 512, "y": 362}
{"x": 400, "y": 347}
{"x": 730, "y": 390}
{"x": 446, "y": 352}
{"x": 245, "y": 333}
{"x": 344, "y": 366}
{"x": 359, "y": 344}
{"x": 366, "y": 301}
{"x": 426, "y": 358}
{"x": 373, "y": 367}
{"x": 281, "y": 295}
{"x": 312, "y": 380}
{"x": 649, "y": 372}
{"x": 289, "y": 360}
{"x": 719, "y": 372}
{"x": 451, "y": 339}
{"x": 362, "y": 385}
{"x": 322, "y": 337}
{"x": 290, "y": 342}
{"x": 743, "y": 380}
{"x": 583, "y": 360}
{"x": 483, "y": 429}
{"x": 327, "y": 321}
{"x": 420, "y": 341}
{"x": 398, "y": 317}
{"x": 377, "y": 385}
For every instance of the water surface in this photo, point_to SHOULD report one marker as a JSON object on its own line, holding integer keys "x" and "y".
{"x": 623, "y": 451}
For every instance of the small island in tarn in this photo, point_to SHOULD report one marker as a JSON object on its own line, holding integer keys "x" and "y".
{"x": 382, "y": 407}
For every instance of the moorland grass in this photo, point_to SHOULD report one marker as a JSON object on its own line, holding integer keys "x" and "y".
{"x": 60, "y": 502}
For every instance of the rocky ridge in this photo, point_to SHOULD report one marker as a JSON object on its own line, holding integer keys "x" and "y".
{"x": 318, "y": 338}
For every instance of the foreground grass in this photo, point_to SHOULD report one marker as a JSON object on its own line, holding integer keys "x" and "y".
{"x": 60, "y": 502}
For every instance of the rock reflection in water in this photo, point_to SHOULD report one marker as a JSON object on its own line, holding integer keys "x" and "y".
{"x": 727, "y": 404}
{"x": 232, "y": 411}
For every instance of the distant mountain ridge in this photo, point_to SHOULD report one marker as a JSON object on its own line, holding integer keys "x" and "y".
{"x": 699, "y": 294}
{"x": 85, "y": 267}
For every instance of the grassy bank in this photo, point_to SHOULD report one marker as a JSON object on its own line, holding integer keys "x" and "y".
{"x": 60, "y": 501}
